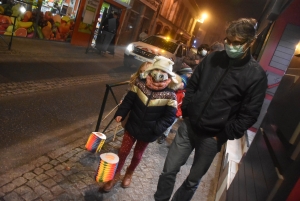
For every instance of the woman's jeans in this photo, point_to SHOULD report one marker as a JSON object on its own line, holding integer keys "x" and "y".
{"x": 185, "y": 142}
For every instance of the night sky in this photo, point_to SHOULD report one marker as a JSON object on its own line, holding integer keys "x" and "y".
{"x": 232, "y": 9}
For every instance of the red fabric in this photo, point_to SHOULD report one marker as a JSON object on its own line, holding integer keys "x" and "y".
{"x": 127, "y": 143}
{"x": 180, "y": 93}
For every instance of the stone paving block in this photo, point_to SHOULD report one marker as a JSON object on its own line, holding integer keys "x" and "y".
{"x": 62, "y": 158}
{"x": 58, "y": 177}
{"x": 69, "y": 154}
{"x": 66, "y": 172}
{"x": 23, "y": 169}
{"x": 40, "y": 190}
{"x": 49, "y": 183}
{"x": 81, "y": 154}
{"x": 42, "y": 177}
{"x": 29, "y": 175}
{"x": 54, "y": 162}
{"x": 47, "y": 196}
{"x": 59, "y": 167}
{"x": 19, "y": 181}
{"x": 88, "y": 180}
{"x": 77, "y": 149}
{"x": 7, "y": 188}
{"x": 5, "y": 179}
{"x": 40, "y": 161}
{"x": 80, "y": 185}
{"x": 51, "y": 172}
{"x": 58, "y": 152}
{"x": 30, "y": 196}
{"x": 73, "y": 178}
{"x": 56, "y": 190}
{"x": 32, "y": 183}
{"x": 38, "y": 171}
{"x": 65, "y": 184}
{"x": 23, "y": 190}
{"x": 12, "y": 197}
{"x": 47, "y": 166}
{"x": 74, "y": 159}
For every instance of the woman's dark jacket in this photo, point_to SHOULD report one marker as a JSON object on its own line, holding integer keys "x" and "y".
{"x": 224, "y": 96}
{"x": 151, "y": 112}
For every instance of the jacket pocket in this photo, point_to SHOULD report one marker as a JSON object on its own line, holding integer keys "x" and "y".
{"x": 215, "y": 120}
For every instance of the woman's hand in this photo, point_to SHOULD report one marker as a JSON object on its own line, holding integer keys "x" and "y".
{"x": 118, "y": 119}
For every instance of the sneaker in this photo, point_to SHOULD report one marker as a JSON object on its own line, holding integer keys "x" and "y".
{"x": 161, "y": 139}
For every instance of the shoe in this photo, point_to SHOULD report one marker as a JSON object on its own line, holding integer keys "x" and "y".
{"x": 127, "y": 179}
{"x": 110, "y": 184}
{"x": 161, "y": 139}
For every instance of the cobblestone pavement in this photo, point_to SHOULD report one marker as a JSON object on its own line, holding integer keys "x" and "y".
{"x": 68, "y": 174}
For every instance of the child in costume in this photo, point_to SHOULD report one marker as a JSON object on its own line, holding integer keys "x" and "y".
{"x": 152, "y": 106}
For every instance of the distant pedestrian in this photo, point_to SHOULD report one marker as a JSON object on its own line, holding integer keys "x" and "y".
{"x": 143, "y": 35}
{"x": 152, "y": 106}
{"x": 192, "y": 60}
{"x": 216, "y": 46}
{"x": 223, "y": 99}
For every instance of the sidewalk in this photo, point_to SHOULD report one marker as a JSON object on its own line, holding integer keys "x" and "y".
{"x": 68, "y": 174}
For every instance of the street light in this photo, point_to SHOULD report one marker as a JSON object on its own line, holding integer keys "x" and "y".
{"x": 203, "y": 17}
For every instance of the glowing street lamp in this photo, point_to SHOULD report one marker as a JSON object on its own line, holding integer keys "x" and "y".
{"x": 203, "y": 17}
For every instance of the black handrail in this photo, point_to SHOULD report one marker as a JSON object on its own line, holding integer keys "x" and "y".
{"x": 108, "y": 89}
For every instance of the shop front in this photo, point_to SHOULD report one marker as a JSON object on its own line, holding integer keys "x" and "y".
{"x": 59, "y": 20}
{"x": 48, "y": 19}
{"x": 91, "y": 16}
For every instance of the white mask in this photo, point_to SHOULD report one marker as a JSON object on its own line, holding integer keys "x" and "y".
{"x": 159, "y": 76}
{"x": 203, "y": 52}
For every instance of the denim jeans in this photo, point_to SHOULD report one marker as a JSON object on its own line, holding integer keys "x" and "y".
{"x": 185, "y": 142}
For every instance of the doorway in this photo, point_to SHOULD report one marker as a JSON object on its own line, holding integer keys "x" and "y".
{"x": 106, "y": 12}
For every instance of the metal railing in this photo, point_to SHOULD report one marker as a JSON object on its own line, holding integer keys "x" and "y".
{"x": 109, "y": 88}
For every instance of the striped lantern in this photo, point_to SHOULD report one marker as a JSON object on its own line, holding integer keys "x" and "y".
{"x": 107, "y": 167}
{"x": 95, "y": 142}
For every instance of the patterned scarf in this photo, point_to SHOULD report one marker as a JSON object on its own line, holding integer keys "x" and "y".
{"x": 156, "y": 85}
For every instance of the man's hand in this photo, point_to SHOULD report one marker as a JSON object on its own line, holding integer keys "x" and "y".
{"x": 215, "y": 138}
{"x": 118, "y": 119}
{"x": 197, "y": 61}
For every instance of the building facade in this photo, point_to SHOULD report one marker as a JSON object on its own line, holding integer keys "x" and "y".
{"x": 174, "y": 18}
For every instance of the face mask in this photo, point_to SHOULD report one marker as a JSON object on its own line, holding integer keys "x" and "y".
{"x": 235, "y": 51}
{"x": 203, "y": 52}
{"x": 159, "y": 76}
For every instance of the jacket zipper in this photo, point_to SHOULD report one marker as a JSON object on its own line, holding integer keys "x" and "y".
{"x": 215, "y": 89}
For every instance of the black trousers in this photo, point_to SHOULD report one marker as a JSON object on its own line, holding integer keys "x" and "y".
{"x": 184, "y": 143}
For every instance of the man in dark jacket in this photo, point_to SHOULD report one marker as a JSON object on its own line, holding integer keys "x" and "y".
{"x": 223, "y": 99}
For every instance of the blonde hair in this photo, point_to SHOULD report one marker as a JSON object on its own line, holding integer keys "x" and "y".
{"x": 137, "y": 73}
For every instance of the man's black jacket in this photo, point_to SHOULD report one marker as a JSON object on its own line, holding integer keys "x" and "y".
{"x": 224, "y": 96}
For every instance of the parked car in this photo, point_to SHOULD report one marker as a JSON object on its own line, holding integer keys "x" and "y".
{"x": 138, "y": 52}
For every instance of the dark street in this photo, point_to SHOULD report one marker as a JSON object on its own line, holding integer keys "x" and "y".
{"x": 47, "y": 97}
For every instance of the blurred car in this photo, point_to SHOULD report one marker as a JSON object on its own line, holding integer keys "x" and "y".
{"x": 142, "y": 51}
